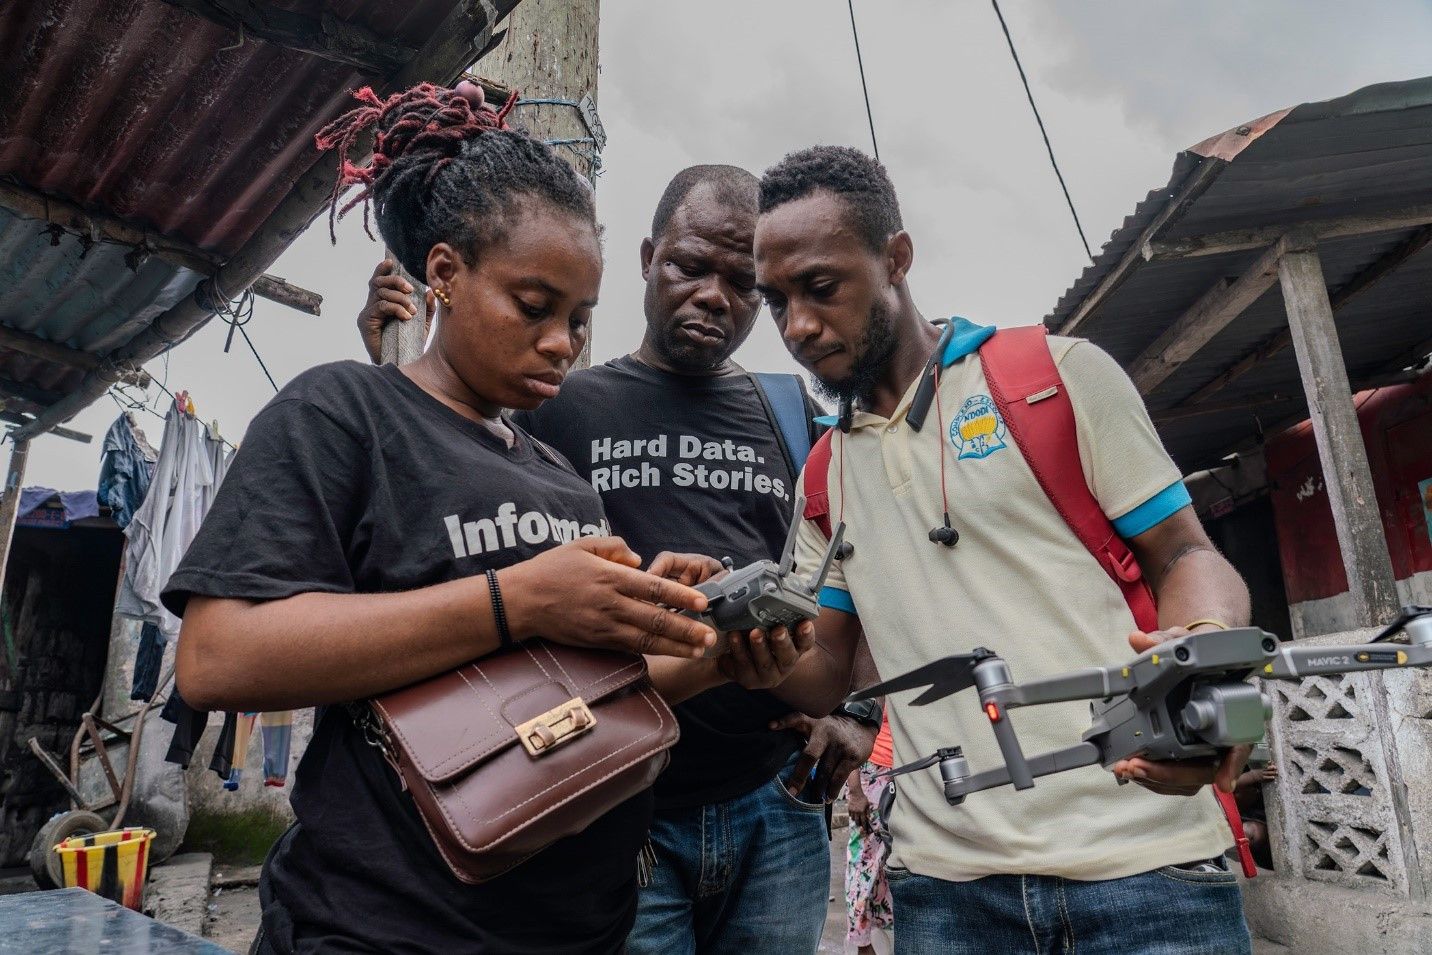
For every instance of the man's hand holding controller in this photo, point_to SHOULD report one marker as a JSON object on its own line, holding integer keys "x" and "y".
{"x": 756, "y": 659}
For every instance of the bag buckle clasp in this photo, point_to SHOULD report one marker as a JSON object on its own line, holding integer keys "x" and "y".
{"x": 559, "y": 725}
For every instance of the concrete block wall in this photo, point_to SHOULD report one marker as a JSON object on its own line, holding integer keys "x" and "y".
{"x": 1350, "y": 815}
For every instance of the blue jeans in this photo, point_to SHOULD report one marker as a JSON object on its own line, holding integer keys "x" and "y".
{"x": 1164, "y": 912}
{"x": 748, "y": 876}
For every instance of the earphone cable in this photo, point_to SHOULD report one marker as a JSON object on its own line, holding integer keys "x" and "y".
{"x": 940, "y": 443}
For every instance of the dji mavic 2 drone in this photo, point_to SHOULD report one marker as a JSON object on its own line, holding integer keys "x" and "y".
{"x": 765, "y": 594}
{"x": 1183, "y": 699}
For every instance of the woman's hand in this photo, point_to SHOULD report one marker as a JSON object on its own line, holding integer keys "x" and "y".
{"x": 589, "y": 593}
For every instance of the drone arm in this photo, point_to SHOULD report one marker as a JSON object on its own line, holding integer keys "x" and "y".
{"x": 1091, "y": 683}
{"x": 1055, "y": 761}
{"x": 1294, "y": 663}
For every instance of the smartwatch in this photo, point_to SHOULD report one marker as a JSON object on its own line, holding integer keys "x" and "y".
{"x": 865, "y": 712}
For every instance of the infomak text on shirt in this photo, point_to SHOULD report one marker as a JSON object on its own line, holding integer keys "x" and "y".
{"x": 503, "y": 530}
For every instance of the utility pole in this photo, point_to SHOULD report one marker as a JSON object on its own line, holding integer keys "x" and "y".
{"x": 549, "y": 56}
{"x": 10, "y": 501}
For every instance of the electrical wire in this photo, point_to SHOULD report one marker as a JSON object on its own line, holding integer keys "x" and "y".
{"x": 940, "y": 440}
{"x": 1042, "y": 132}
{"x": 116, "y": 390}
{"x": 257, "y": 357}
{"x": 870, "y": 118}
{"x": 236, "y": 314}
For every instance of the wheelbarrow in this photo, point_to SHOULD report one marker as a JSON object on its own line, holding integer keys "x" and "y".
{"x": 92, "y": 809}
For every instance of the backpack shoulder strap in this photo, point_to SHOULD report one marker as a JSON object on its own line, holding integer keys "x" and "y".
{"x": 1025, "y": 385}
{"x": 785, "y": 404}
{"x": 816, "y": 487}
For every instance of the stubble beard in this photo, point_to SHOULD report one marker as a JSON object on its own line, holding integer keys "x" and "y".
{"x": 875, "y": 349}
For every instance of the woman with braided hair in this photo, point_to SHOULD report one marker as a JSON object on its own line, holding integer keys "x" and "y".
{"x": 348, "y": 551}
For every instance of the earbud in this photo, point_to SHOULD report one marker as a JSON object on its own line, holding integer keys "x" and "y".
{"x": 946, "y": 535}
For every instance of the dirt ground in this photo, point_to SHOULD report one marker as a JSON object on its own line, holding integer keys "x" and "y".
{"x": 233, "y": 909}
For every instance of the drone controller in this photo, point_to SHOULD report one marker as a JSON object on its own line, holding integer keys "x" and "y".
{"x": 765, "y": 594}
{"x": 1183, "y": 699}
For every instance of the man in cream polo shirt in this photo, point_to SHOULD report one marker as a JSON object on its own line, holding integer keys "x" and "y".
{"x": 1078, "y": 862}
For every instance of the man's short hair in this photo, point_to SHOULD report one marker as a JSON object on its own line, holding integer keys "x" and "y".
{"x": 734, "y": 187}
{"x": 858, "y": 179}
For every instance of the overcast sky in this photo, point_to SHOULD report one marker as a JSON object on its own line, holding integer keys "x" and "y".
{"x": 1123, "y": 86}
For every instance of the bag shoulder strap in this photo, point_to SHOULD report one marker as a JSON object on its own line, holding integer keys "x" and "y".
{"x": 1026, "y": 387}
{"x": 816, "y": 486}
{"x": 785, "y": 404}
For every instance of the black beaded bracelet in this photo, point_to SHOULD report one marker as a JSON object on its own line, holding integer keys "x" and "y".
{"x": 499, "y": 613}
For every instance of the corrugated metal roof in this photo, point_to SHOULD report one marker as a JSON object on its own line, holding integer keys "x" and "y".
{"x": 165, "y": 122}
{"x": 90, "y": 299}
{"x": 1363, "y": 154}
{"x": 154, "y": 115}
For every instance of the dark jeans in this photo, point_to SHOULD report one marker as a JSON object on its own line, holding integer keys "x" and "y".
{"x": 748, "y": 876}
{"x": 1167, "y": 911}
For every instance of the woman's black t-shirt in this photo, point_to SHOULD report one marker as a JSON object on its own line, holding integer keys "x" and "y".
{"x": 355, "y": 480}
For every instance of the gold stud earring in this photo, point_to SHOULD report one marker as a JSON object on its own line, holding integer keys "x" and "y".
{"x": 443, "y": 297}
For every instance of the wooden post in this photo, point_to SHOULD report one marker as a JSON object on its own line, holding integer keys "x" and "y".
{"x": 404, "y": 341}
{"x": 10, "y": 503}
{"x": 550, "y": 53}
{"x": 1340, "y": 446}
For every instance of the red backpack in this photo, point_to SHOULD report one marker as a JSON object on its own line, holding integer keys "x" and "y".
{"x": 1025, "y": 385}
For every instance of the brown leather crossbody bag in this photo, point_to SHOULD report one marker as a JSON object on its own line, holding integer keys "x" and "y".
{"x": 505, "y": 755}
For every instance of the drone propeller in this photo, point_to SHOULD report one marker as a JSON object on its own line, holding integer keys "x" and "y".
{"x": 943, "y": 677}
{"x": 1409, "y": 613}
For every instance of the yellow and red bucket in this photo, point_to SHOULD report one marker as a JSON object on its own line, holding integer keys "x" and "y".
{"x": 112, "y": 864}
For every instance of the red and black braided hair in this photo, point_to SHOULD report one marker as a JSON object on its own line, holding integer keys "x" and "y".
{"x": 445, "y": 168}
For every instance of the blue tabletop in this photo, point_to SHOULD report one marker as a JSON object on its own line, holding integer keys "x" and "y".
{"x": 68, "y": 921}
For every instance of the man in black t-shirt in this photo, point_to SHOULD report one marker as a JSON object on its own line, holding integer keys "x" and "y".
{"x": 687, "y": 456}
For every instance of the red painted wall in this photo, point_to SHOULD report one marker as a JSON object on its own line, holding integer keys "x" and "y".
{"x": 1397, "y": 429}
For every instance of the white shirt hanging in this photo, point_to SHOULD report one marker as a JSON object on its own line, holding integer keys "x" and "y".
{"x": 165, "y": 524}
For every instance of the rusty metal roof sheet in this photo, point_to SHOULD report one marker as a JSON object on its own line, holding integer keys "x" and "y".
{"x": 1366, "y": 153}
{"x": 172, "y": 126}
{"x": 159, "y": 117}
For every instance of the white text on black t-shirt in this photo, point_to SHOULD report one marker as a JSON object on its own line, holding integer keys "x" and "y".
{"x": 638, "y": 469}
{"x": 503, "y": 530}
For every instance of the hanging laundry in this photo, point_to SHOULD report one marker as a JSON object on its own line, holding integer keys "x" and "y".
{"x": 244, "y": 732}
{"x": 147, "y": 662}
{"x": 219, "y": 458}
{"x": 126, "y": 468}
{"x": 76, "y": 504}
{"x": 166, "y": 522}
{"x": 189, "y": 725}
{"x": 277, "y": 731}
{"x": 222, "y": 762}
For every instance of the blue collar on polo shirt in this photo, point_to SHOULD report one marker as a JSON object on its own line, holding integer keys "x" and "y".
{"x": 965, "y": 339}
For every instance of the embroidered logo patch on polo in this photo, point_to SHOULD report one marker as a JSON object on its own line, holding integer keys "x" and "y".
{"x": 978, "y": 430}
